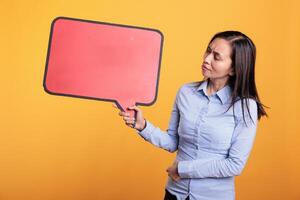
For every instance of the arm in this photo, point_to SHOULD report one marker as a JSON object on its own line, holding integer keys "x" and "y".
{"x": 243, "y": 138}
{"x": 167, "y": 140}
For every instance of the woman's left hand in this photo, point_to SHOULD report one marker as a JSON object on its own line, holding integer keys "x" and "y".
{"x": 173, "y": 171}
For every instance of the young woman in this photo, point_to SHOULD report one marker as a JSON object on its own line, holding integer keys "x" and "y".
{"x": 213, "y": 122}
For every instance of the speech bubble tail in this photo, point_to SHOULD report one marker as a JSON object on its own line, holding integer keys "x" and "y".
{"x": 124, "y": 104}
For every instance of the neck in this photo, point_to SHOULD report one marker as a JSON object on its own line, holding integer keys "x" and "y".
{"x": 214, "y": 85}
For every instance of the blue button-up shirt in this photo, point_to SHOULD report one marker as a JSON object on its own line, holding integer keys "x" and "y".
{"x": 212, "y": 142}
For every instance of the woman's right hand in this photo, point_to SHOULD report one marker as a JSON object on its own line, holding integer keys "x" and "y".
{"x": 138, "y": 123}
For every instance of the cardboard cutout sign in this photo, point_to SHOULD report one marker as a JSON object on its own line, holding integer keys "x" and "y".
{"x": 103, "y": 61}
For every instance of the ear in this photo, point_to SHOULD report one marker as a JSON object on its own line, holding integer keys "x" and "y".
{"x": 232, "y": 73}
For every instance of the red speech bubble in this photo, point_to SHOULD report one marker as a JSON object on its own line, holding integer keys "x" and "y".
{"x": 103, "y": 61}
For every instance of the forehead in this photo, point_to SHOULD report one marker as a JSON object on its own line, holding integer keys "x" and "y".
{"x": 221, "y": 46}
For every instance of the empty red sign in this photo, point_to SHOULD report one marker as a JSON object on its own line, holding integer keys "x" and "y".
{"x": 103, "y": 61}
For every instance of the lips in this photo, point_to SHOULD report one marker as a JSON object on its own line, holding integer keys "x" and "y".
{"x": 205, "y": 67}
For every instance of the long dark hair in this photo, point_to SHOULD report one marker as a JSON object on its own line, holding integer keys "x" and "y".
{"x": 243, "y": 57}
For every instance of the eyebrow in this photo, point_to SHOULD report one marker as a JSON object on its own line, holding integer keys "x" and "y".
{"x": 219, "y": 54}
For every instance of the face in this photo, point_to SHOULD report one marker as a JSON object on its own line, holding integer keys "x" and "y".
{"x": 216, "y": 60}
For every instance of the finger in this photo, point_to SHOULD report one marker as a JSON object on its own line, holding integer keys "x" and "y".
{"x": 173, "y": 178}
{"x": 115, "y": 105}
{"x": 134, "y": 108}
{"x": 121, "y": 113}
{"x": 177, "y": 179}
{"x": 129, "y": 118}
{"x": 130, "y": 121}
{"x": 126, "y": 118}
{"x": 130, "y": 125}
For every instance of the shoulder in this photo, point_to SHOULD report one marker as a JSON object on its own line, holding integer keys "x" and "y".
{"x": 189, "y": 87}
{"x": 246, "y": 101}
{"x": 246, "y": 107}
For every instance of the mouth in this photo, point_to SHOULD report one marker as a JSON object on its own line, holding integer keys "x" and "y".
{"x": 205, "y": 68}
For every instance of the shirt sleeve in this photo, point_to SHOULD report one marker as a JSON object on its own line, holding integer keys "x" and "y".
{"x": 167, "y": 140}
{"x": 234, "y": 163}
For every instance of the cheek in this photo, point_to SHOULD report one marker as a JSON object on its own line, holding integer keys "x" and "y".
{"x": 221, "y": 68}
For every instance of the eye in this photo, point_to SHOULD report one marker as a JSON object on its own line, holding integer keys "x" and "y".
{"x": 217, "y": 57}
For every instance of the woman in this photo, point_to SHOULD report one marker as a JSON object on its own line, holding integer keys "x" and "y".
{"x": 213, "y": 122}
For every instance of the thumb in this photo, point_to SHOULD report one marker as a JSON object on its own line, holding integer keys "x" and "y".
{"x": 134, "y": 108}
{"x": 115, "y": 105}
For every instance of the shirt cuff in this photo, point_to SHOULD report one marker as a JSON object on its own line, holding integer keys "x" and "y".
{"x": 185, "y": 169}
{"x": 145, "y": 133}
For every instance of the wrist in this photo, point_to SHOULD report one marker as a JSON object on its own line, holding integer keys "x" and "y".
{"x": 143, "y": 125}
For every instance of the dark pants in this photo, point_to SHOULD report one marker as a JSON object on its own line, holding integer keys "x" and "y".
{"x": 169, "y": 196}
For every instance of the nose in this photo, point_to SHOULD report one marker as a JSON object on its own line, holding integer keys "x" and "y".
{"x": 207, "y": 58}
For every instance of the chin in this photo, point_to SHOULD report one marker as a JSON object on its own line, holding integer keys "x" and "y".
{"x": 205, "y": 76}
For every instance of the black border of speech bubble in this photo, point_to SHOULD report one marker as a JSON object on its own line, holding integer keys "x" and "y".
{"x": 107, "y": 23}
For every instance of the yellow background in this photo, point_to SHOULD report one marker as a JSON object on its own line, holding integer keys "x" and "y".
{"x": 62, "y": 148}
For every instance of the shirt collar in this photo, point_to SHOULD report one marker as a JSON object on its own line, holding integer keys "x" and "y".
{"x": 224, "y": 94}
